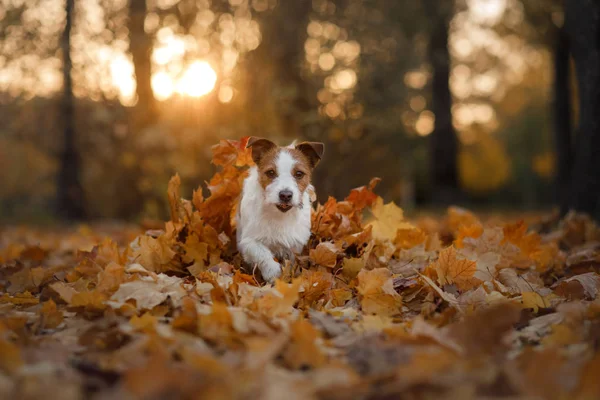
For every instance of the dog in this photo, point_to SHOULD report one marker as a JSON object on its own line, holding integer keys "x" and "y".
{"x": 274, "y": 213}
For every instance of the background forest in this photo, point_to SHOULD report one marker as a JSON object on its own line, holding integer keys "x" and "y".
{"x": 101, "y": 101}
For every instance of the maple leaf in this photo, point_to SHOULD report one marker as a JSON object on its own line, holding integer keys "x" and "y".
{"x": 409, "y": 238}
{"x": 534, "y": 301}
{"x": 90, "y": 301}
{"x": 467, "y": 231}
{"x": 388, "y": 218}
{"x": 195, "y": 250}
{"x": 325, "y": 254}
{"x": 378, "y": 296}
{"x": 314, "y": 286}
{"x": 363, "y": 196}
{"x": 148, "y": 292}
{"x": 110, "y": 278}
{"x": 458, "y": 217}
{"x": 154, "y": 254}
{"x": 232, "y": 152}
{"x": 50, "y": 316}
{"x": 279, "y": 302}
{"x": 187, "y": 318}
{"x": 449, "y": 269}
{"x": 302, "y": 352}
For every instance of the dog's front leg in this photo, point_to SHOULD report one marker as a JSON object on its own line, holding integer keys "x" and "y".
{"x": 258, "y": 254}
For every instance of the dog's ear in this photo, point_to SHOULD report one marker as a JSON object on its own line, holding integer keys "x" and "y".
{"x": 313, "y": 151}
{"x": 260, "y": 147}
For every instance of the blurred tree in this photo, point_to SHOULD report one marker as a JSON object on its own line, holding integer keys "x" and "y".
{"x": 562, "y": 118}
{"x": 70, "y": 200}
{"x": 443, "y": 140}
{"x": 582, "y": 22}
{"x": 140, "y": 46}
{"x": 274, "y": 70}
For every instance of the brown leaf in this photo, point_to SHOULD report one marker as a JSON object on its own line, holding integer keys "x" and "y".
{"x": 325, "y": 254}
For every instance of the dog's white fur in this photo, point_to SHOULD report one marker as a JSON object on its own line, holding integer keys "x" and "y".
{"x": 264, "y": 232}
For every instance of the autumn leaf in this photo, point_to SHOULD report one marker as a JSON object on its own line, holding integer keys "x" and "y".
{"x": 148, "y": 292}
{"x": 409, "y": 238}
{"x": 325, "y": 254}
{"x": 388, "y": 218}
{"x": 153, "y": 253}
{"x": 451, "y": 270}
{"x": 50, "y": 316}
{"x": 363, "y": 196}
{"x": 534, "y": 301}
{"x": 11, "y": 359}
{"x": 232, "y": 152}
{"x": 92, "y": 301}
{"x": 280, "y": 301}
{"x": 302, "y": 352}
{"x": 378, "y": 296}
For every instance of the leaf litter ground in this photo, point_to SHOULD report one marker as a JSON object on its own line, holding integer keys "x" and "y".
{"x": 378, "y": 307}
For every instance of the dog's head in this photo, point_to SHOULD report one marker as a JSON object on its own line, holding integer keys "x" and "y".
{"x": 285, "y": 172}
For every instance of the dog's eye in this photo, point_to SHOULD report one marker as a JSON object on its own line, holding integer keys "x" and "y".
{"x": 299, "y": 174}
{"x": 270, "y": 174}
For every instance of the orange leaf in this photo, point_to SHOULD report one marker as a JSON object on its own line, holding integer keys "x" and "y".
{"x": 452, "y": 270}
{"x": 324, "y": 254}
{"x": 409, "y": 238}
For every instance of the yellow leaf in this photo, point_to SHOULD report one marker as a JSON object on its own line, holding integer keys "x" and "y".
{"x": 534, "y": 300}
{"x": 377, "y": 294}
{"x": 154, "y": 253}
{"x": 302, "y": 351}
{"x": 195, "y": 250}
{"x": 352, "y": 266}
{"x": 388, "y": 218}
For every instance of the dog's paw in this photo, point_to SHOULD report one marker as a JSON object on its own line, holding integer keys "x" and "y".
{"x": 271, "y": 271}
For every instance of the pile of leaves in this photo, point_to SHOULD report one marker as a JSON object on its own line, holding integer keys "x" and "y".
{"x": 376, "y": 307}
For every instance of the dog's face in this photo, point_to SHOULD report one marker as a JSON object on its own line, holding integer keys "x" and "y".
{"x": 284, "y": 172}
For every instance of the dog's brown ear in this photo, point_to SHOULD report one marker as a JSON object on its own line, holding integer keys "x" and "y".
{"x": 313, "y": 151}
{"x": 260, "y": 147}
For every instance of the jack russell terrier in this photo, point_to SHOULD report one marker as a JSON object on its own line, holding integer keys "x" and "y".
{"x": 273, "y": 217}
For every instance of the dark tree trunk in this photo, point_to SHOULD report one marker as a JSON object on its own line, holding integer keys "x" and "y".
{"x": 282, "y": 50}
{"x": 70, "y": 201}
{"x": 443, "y": 140}
{"x": 582, "y": 22}
{"x": 562, "y": 120}
{"x": 140, "y": 46}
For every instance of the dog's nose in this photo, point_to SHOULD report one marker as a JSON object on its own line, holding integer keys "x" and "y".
{"x": 286, "y": 196}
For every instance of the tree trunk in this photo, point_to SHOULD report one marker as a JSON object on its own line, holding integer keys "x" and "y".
{"x": 582, "y": 21}
{"x": 443, "y": 140}
{"x": 562, "y": 120}
{"x": 282, "y": 50}
{"x": 140, "y": 46}
{"x": 70, "y": 201}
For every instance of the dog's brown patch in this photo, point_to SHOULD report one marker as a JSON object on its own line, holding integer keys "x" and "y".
{"x": 267, "y": 164}
{"x": 302, "y": 166}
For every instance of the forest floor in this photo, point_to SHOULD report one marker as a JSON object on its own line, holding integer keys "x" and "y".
{"x": 378, "y": 307}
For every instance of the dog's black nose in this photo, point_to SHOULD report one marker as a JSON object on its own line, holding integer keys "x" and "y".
{"x": 286, "y": 196}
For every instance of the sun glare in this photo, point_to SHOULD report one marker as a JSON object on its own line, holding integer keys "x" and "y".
{"x": 198, "y": 80}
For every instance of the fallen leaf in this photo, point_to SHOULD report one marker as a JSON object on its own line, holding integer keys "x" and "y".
{"x": 449, "y": 269}
{"x": 149, "y": 293}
